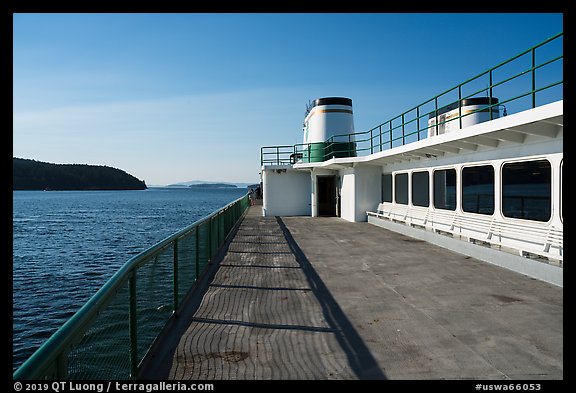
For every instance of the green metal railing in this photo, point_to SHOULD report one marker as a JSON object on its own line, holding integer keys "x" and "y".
{"x": 110, "y": 336}
{"x": 541, "y": 70}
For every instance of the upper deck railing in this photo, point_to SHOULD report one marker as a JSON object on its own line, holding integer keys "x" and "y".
{"x": 527, "y": 80}
{"x": 111, "y": 335}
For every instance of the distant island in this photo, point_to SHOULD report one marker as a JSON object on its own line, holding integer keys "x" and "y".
{"x": 207, "y": 184}
{"x": 213, "y": 185}
{"x": 36, "y": 175}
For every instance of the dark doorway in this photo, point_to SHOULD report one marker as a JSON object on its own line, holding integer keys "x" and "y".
{"x": 327, "y": 196}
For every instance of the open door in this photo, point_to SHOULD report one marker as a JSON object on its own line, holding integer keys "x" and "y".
{"x": 327, "y": 196}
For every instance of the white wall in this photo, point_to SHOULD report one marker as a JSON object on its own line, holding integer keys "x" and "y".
{"x": 368, "y": 191}
{"x": 290, "y": 192}
{"x": 347, "y": 194}
{"x": 360, "y": 191}
{"x": 286, "y": 192}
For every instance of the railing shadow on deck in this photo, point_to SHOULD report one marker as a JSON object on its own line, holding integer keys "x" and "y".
{"x": 157, "y": 365}
{"x": 359, "y": 358}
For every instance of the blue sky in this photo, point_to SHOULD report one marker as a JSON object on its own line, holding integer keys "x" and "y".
{"x": 178, "y": 97}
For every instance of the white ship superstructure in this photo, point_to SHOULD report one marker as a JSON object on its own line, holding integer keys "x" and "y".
{"x": 472, "y": 174}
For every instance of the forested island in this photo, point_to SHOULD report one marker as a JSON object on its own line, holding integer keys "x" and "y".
{"x": 36, "y": 175}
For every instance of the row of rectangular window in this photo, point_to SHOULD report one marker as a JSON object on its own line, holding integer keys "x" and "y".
{"x": 526, "y": 189}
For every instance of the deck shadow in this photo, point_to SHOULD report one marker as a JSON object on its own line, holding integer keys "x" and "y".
{"x": 359, "y": 356}
{"x": 204, "y": 325}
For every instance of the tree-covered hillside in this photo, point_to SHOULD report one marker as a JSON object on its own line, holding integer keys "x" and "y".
{"x": 36, "y": 175}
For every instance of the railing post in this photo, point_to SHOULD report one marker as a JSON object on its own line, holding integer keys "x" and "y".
{"x": 418, "y": 121}
{"x": 371, "y": 142}
{"x": 210, "y": 239}
{"x": 390, "y": 134}
{"x": 229, "y": 217}
{"x": 350, "y": 144}
{"x": 436, "y": 113}
{"x": 217, "y": 219}
{"x": 460, "y": 106}
{"x": 380, "y": 132}
{"x": 220, "y": 229}
{"x": 533, "y": 79}
{"x": 197, "y": 252}
{"x": 133, "y": 326}
{"x": 403, "y": 132}
{"x": 175, "y": 275}
{"x": 490, "y": 98}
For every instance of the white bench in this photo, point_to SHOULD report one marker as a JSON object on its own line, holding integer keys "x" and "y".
{"x": 526, "y": 238}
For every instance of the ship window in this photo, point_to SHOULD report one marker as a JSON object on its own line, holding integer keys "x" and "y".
{"x": 420, "y": 189}
{"x": 387, "y": 187}
{"x": 526, "y": 190}
{"x": 445, "y": 189}
{"x": 401, "y": 188}
{"x": 478, "y": 189}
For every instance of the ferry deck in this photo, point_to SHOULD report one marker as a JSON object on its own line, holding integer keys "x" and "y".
{"x": 284, "y": 301}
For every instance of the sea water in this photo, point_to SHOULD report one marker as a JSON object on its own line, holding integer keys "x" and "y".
{"x": 67, "y": 244}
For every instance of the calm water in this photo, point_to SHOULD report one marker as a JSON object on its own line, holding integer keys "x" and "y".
{"x": 67, "y": 244}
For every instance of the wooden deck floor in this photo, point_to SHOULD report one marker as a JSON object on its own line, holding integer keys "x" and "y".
{"x": 322, "y": 298}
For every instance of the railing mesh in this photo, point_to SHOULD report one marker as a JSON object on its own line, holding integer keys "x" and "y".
{"x": 104, "y": 349}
